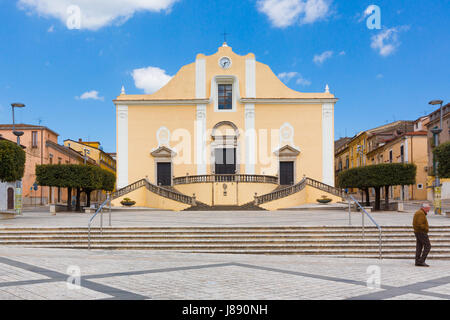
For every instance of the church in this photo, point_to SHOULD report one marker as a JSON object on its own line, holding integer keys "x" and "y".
{"x": 225, "y": 132}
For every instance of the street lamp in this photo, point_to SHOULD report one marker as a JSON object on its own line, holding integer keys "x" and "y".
{"x": 18, "y": 196}
{"x": 437, "y": 184}
{"x": 16, "y": 133}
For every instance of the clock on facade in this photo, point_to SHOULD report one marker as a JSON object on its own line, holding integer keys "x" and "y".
{"x": 225, "y": 62}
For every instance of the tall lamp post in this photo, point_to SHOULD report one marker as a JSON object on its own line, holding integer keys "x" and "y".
{"x": 437, "y": 184}
{"x": 18, "y": 196}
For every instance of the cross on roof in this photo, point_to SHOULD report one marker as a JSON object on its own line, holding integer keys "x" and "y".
{"x": 225, "y": 36}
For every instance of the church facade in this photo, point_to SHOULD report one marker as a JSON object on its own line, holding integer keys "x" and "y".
{"x": 222, "y": 120}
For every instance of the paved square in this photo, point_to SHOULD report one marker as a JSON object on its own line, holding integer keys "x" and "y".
{"x": 42, "y": 274}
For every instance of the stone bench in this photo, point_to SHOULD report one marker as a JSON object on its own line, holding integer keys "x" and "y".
{"x": 89, "y": 210}
{"x": 54, "y": 208}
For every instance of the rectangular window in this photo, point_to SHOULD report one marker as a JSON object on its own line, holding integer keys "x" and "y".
{"x": 225, "y": 96}
{"x": 390, "y": 156}
{"x": 402, "y": 154}
{"x": 34, "y": 142}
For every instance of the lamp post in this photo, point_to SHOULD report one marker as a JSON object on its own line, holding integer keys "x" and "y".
{"x": 437, "y": 184}
{"x": 18, "y": 195}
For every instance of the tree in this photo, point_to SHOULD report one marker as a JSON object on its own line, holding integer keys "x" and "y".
{"x": 378, "y": 176}
{"x": 83, "y": 178}
{"x": 12, "y": 161}
{"x": 442, "y": 156}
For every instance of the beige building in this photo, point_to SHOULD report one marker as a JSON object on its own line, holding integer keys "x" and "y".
{"x": 444, "y": 136}
{"x": 226, "y": 128}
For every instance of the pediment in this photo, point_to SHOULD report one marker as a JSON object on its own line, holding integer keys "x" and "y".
{"x": 287, "y": 151}
{"x": 163, "y": 152}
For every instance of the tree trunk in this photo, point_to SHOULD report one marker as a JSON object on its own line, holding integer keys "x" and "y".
{"x": 88, "y": 198}
{"x": 367, "y": 197}
{"x": 386, "y": 198}
{"x": 377, "y": 198}
{"x": 69, "y": 199}
{"x": 77, "y": 207}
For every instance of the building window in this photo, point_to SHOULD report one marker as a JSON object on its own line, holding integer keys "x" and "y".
{"x": 402, "y": 154}
{"x": 225, "y": 96}
{"x": 347, "y": 163}
{"x": 34, "y": 139}
{"x": 390, "y": 156}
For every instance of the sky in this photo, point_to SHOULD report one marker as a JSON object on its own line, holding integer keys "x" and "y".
{"x": 66, "y": 60}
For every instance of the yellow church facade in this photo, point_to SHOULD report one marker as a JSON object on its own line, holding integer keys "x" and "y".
{"x": 225, "y": 131}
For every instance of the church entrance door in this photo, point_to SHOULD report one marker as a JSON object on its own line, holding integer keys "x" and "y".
{"x": 225, "y": 160}
{"x": 286, "y": 172}
{"x": 164, "y": 173}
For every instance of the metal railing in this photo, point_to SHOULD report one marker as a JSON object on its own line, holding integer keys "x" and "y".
{"x": 363, "y": 213}
{"x": 100, "y": 209}
{"x": 255, "y": 178}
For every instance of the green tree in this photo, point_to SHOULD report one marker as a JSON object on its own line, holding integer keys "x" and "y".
{"x": 82, "y": 178}
{"x": 12, "y": 161}
{"x": 378, "y": 176}
{"x": 442, "y": 156}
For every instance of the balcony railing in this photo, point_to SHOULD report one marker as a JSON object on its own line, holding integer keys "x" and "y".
{"x": 284, "y": 192}
{"x": 167, "y": 193}
{"x": 249, "y": 178}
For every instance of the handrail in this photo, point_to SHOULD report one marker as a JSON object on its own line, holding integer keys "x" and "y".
{"x": 100, "y": 209}
{"x": 325, "y": 187}
{"x": 170, "y": 194}
{"x": 362, "y": 224}
{"x": 280, "y": 193}
{"x": 255, "y": 178}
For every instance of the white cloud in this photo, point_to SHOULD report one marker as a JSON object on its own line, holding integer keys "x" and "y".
{"x": 320, "y": 58}
{"x": 342, "y": 53}
{"x": 94, "y": 14}
{"x": 386, "y": 42}
{"x": 51, "y": 29}
{"x": 302, "y": 81}
{"x": 380, "y": 76}
{"x": 93, "y": 94}
{"x": 284, "y": 13}
{"x": 288, "y": 76}
{"x": 150, "y": 79}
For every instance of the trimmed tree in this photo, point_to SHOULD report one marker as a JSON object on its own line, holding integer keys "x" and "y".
{"x": 442, "y": 156}
{"x": 83, "y": 178}
{"x": 12, "y": 161}
{"x": 378, "y": 176}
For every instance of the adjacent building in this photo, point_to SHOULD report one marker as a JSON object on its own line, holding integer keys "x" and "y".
{"x": 399, "y": 141}
{"x": 41, "y": 146}
{"x": 444, "y": 136}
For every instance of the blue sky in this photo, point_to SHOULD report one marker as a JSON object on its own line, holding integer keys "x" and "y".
{"x": 69, "y": 77}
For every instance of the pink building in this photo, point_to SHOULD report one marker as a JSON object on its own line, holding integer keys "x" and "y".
{"x": 41, "y": 146}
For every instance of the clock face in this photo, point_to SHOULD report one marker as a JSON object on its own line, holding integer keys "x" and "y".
{"x": 225, "y": 62}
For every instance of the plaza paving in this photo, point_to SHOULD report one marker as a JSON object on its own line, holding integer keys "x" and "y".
{"x": 39, "y": 273}
{"x": 42, "y": 274}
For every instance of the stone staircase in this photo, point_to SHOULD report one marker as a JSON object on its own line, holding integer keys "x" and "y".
{"x": 339, "y": 241}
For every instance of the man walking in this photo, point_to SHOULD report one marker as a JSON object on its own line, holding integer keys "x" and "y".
{"x": 420, "y": 225}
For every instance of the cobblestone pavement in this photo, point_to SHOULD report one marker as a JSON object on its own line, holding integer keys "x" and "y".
{"x": 159, "y": 218}
{"x": 27, "y": 273}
